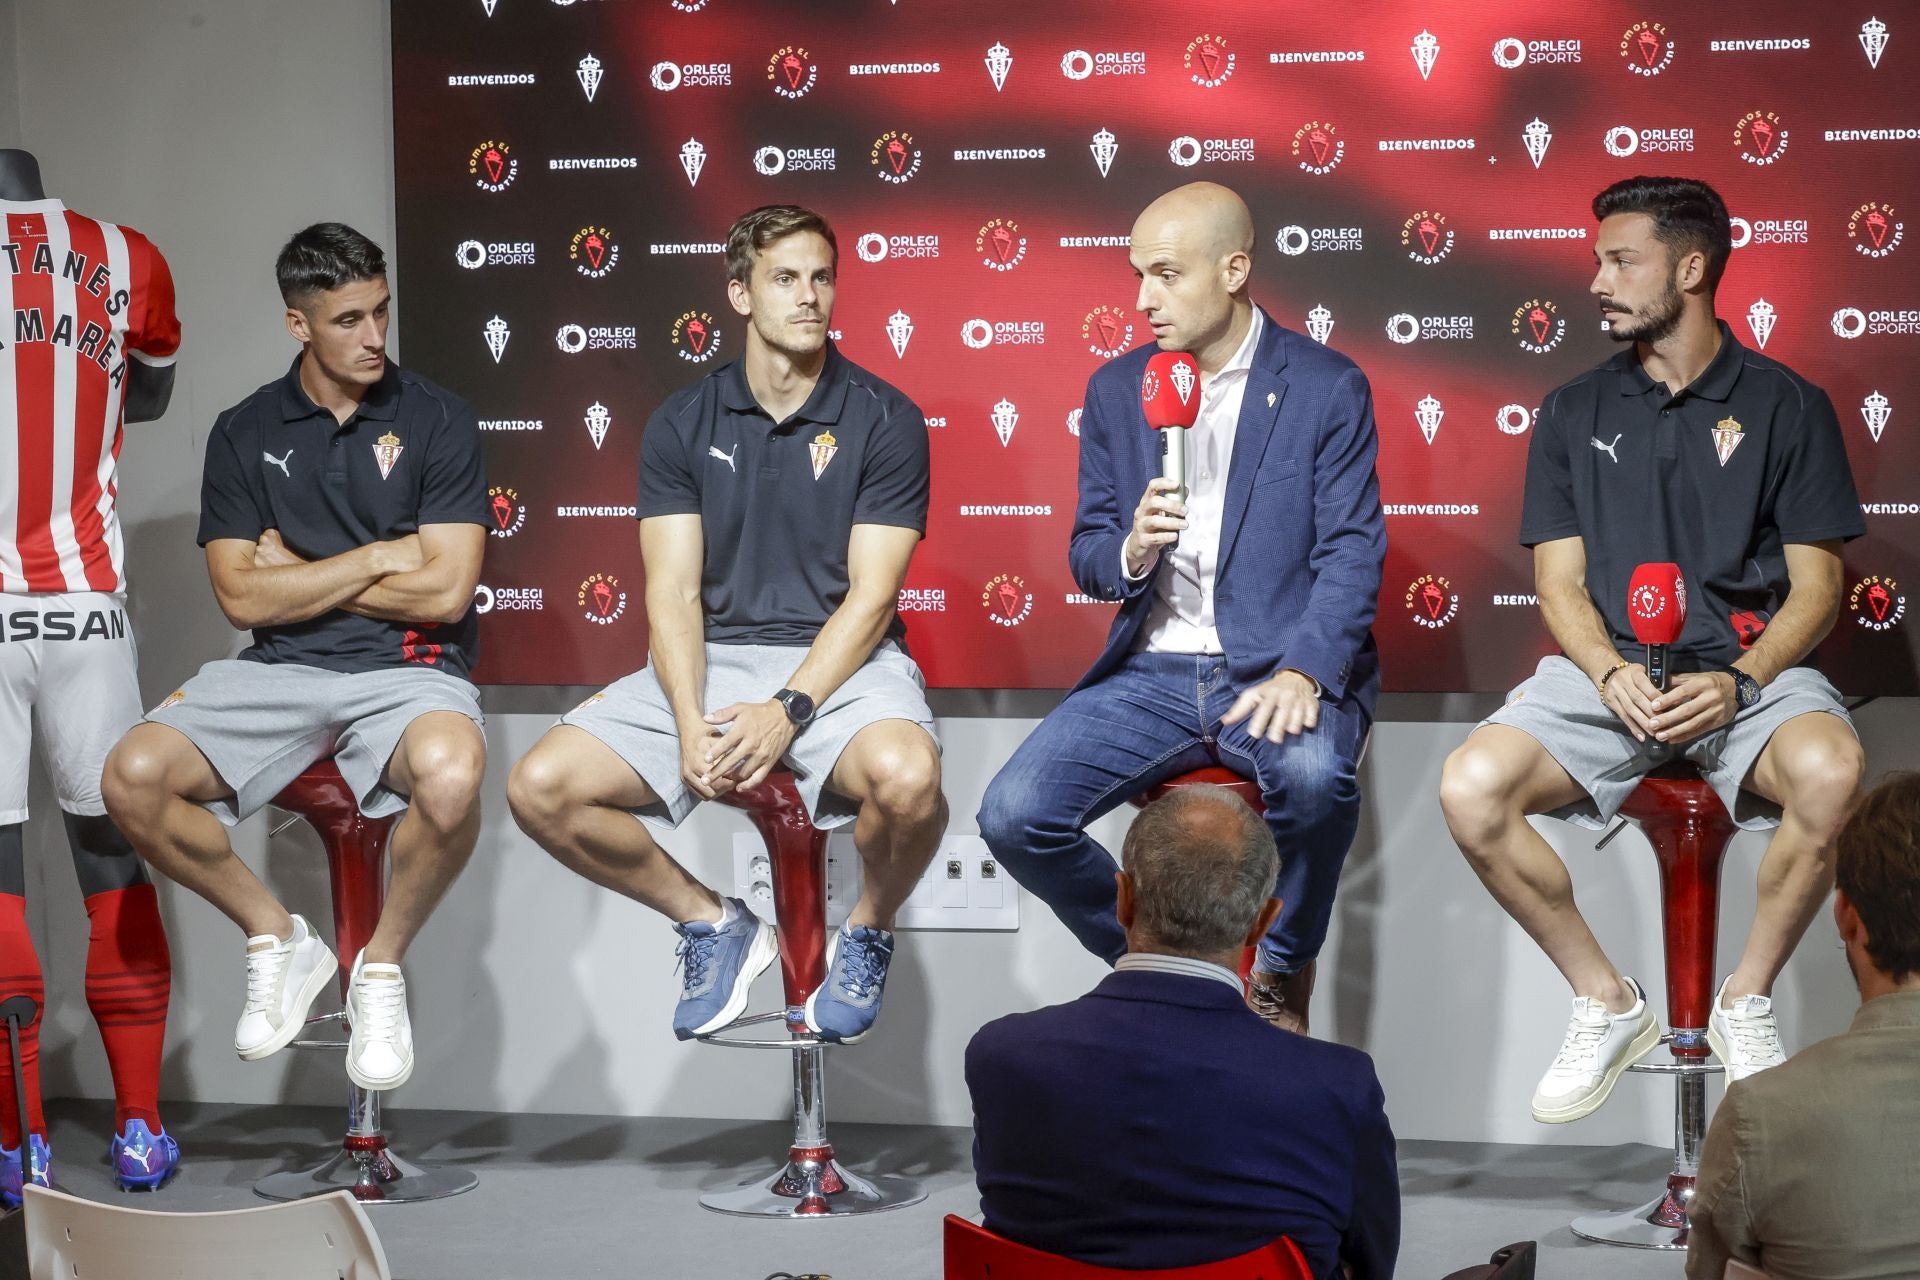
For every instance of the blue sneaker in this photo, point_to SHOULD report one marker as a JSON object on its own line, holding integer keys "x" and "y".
{"x": 857, "y": 960}
{"x": 717, "y": 967}
{"x": 40, "y": 1157}
{"x": 142, "y": 1159}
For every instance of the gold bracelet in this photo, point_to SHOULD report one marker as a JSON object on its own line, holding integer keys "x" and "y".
{"x": 1612, "y": 671}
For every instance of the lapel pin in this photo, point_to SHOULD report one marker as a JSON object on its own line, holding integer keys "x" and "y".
{"x": 1270, "y": 399}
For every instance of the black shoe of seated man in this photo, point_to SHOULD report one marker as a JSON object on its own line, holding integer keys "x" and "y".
{"x": 1282, "y": 998}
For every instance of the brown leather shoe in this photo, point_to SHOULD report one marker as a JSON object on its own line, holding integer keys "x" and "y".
{"x": 1282, "y": 998}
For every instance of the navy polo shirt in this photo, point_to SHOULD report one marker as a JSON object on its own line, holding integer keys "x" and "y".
{"x": 409, "y": 456}
{"x": 1717, "y": 479}
{"x": 777, "y": 501}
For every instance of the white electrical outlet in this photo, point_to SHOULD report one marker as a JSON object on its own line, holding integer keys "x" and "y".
{"x": 963, "y": 888}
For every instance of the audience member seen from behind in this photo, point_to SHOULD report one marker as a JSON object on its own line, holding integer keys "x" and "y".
{"x": 1810, "y": 1171}
{"x": 1158, "y": 1121}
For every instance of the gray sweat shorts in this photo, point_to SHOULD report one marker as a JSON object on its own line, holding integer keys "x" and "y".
{"x": 1558, "y": 707}
{"x": 632, "y": 716}
{"x": 261, "y": 724}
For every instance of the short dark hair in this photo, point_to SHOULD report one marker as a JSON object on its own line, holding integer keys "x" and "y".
{"x": 1687, "y": 215}
{"x": 766, "y": 226}
{"x": 1877, "y": 865}
{"x": 1202, "y": 864}
{"x": 324, "y": 257}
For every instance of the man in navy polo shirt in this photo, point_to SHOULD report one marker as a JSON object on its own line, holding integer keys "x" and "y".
{"x": 343, "y": 512}
{"x": 1685, "y": 447}
{"x": 781, "y": 498}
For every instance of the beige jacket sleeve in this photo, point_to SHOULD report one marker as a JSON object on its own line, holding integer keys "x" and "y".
{"x": 1721, "y": 1217}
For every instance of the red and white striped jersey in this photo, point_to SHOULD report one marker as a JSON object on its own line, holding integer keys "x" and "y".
{"x": 78, "y": 299}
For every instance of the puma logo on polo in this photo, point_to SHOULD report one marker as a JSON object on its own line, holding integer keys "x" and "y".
{"x": 1608, "y": 449}
{"x": 714, "y": 451}
{"x": 279, "y": 462}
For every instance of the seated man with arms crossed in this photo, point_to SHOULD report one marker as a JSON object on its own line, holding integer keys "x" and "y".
{"x": 1809, "y": 1171}
{"x": 1157, "y": 1121}
{"x": 781, "y": 498}
{"x": 344, "y": 513}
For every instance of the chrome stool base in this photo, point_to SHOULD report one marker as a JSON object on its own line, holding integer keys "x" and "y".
{"x": 1651, "y": 1226}
{"x": 372, "y": 1173}
{"x": 814, "y": 1185}
{"x": 1662, "y": 1223}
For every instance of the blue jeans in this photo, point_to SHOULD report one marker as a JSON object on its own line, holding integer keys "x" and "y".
{"x": 1157, "y": 715}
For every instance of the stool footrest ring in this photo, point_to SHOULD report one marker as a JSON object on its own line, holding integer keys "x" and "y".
{"x": 1703, "y": 1068}
{"x": 723, "y": 1037}
{"x": 318, "y": 1044}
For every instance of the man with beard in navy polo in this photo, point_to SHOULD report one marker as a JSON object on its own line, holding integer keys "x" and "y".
{"x": 1685, "y": 448}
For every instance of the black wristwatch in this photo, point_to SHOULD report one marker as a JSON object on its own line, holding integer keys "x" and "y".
{"x": 1746, "y": 690}
{"x": 800, "y": 707}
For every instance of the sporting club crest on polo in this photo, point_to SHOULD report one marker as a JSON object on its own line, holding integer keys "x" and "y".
{"x": 1727, "y": 435}
{"x": 822, "y": 449}
{"x": 386, "y": 451}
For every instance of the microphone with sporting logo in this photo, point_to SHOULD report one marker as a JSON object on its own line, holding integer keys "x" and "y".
{"x": 1657, "y": 608}
{"x": 1170, "y": 397}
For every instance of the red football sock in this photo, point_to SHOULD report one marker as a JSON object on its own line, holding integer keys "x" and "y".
{"x": 129, "y": 980}
{"x": 19, "y": 976}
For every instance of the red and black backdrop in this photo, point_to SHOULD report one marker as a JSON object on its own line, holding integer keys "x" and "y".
{"x": 1420, "y": 177}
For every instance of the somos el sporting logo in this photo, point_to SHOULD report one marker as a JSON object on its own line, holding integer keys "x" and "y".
{"x": 1007, "y": 600}
{"x": 509, "y": 513}
{"x": 1431, "y": 601}
{"x": 1318, "y": 147}
{"x": 1874, "y": 230}
{"x": 602, "y": 600}
{"x": 1647, "y": 48}
{"x": 1761, "y": 137}
{"x": 593, "y": 252}
{"x": 1426, "y": 237}
{"x": 1876, "y": 603}
{"x": 492, "y": 166}
{"x": 1107, "y": 332}
{"x": 695, "y": 337}
{"x": 1538, "y": 326}
{"x": 894, "y": 157}
{"x": 1000, "y": 245}
{"x": 1208, "y": 61}
{"x": 792, "y": 71}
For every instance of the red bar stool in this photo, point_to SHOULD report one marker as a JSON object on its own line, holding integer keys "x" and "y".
{"x": 1212, "y": 776}
{"x": 811, "y": 1184}
{"x": 1689, "y": 830}
{"x": 356, "y": 864}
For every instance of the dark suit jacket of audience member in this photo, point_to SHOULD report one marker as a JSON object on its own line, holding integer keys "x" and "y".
{"x": 1158, "y": 1122}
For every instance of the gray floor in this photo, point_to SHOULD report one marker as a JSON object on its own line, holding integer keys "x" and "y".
{"x": 571, "y": 1197}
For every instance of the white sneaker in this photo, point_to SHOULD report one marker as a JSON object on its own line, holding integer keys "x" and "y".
{"x": 1746, "y": 1037}
{"x": 1599, "y": 1046}
{"x": 283, "y": 979}
{"x": 380, "y": 1049}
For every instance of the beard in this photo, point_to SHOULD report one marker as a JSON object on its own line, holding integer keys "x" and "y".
{"x": 793, "y": 344}
{"x": 1653, "y": 322}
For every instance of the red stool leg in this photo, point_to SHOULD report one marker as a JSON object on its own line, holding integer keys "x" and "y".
{"x": 1689, "y": 830}
{"x": 812, "y": 1184}
{"x": 356, "y": 867}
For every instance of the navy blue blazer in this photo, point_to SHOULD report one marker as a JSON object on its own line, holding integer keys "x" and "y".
{"x": 1302, "y": 539}
{"x": 1158, "y": 1122}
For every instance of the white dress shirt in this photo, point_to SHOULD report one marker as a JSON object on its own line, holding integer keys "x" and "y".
{"x": 1184, "y": 966}
{"x": 1180, "y": 619}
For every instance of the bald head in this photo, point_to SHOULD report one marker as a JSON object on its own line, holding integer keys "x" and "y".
{"x": 1193, "y": 251}
{"x": 1204, "y": 218}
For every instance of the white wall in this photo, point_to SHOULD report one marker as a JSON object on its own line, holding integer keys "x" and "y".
{"x": 219, "y": 126}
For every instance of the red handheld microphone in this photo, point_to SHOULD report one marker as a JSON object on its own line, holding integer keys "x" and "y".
{"x": 1170, "y": 397}
{"x": 1657, "y": 608}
